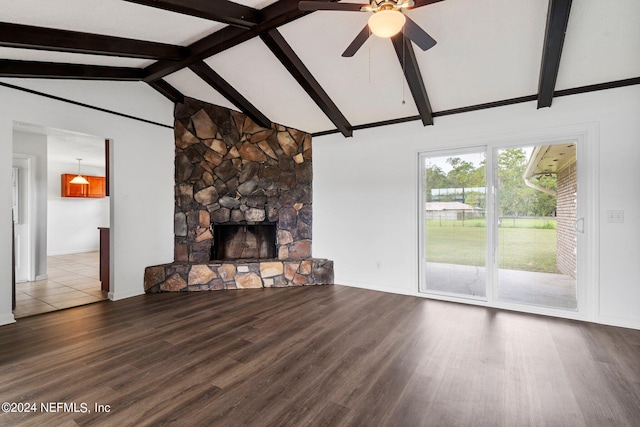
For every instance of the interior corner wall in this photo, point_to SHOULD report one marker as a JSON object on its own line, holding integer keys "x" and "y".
{"x": 365, "y": 193}
{"x": 141, "y": 172}
{"x": 6, "y": 235}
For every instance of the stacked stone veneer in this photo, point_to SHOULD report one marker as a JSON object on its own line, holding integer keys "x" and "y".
{"x": 229, "y": 170}
{"x": 213, "y": 276}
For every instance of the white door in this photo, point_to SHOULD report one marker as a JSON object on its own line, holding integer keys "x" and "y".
{"x": 20, "y": 207}
{"x": 453, "y": 204}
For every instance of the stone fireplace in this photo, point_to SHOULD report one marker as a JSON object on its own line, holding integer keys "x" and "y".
{"x": 243, "y": 205}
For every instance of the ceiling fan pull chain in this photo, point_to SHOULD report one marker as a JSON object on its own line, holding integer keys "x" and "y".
{"x": 369, "y": 46}
{"x": 404, "y": 52}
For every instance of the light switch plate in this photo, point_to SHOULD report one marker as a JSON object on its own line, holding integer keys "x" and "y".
{"x": 615, "y": 217}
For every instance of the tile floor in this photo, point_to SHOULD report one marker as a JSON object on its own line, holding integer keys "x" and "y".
{"x": 72, "y": 280}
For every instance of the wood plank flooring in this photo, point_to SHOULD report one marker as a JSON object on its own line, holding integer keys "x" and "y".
{"x": 320, "y": 356}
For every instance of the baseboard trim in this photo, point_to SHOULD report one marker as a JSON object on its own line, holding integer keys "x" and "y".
{"x": 7, "y": 319}
{"x": 618, "y": 322}
{"x": 115, "y": 296}
{"x": 78, "y": 251}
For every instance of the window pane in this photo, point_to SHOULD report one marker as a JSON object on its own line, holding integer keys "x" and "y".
{"x": 455, "y": 224}
{"x": 537, "y": 203}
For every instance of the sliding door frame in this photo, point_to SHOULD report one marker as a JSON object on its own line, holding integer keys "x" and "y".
{"x": 422, "y": 156}
{"x": 586, "y": 136}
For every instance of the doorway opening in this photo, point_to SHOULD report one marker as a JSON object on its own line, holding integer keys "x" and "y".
{"x": 63, "y": 244}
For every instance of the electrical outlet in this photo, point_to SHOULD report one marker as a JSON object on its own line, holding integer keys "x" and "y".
{"x": 378, "y": 265}
{"x": 615, "y": 217}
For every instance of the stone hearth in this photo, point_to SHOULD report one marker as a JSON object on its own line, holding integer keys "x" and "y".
{"x": 229, "y": 170}
{"x": 245, "y": 274}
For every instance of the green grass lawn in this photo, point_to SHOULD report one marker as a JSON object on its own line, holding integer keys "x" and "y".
{"x": 519, "y": 247}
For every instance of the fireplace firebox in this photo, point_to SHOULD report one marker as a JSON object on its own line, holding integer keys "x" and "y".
{"x": 243, "y": 241}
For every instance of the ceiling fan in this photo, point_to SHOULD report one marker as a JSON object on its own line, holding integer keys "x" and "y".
{"x": 388, "y": 19}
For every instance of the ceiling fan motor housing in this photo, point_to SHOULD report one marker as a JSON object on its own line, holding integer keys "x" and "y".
{"x": 377, "y": 6}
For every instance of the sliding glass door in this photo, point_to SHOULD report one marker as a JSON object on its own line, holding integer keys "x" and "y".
{"x": 537, "y": 201}
{"x": 454, "y": 226}
{"x": 499, "y": 224}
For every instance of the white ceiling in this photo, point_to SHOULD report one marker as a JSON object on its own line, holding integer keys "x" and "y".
{"x": 66, "y": 147}
{"x": 602, "y": 43}
{"x": 366, "y": 87}
{"x": 487, "y": 51}
{"x": 109, "y": 17}
{"x": 268, "y": 86}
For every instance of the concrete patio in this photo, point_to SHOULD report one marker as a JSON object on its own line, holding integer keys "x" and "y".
{"x": 542, "y": 289}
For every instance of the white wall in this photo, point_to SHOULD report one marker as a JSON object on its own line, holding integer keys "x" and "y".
{"x": 36, "y": 146}
{"x": 365, "y": 187}
{"x": 141, "y": 162}
{"x": 365, "y": 193}
{"x": 73, "y": 222}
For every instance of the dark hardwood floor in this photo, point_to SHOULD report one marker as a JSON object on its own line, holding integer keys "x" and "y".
{"x": 320, "y": 356}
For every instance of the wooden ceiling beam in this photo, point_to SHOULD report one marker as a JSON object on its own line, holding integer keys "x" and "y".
{"x": 170, "y": 92}
{"x": 409, "y": 63}
{"x": 557, "y": 21}
{"x": 51, "y": 70}
{"x": 280, "y": 13}
{"x": 223, "y": 11}
{"x": 420, "y": 3}
{"x": 30, "y": 37}
{"x": 285, "y": 54}
{"x": 200, "y": 50}
{"x": 229, "y": 92}
{"x": 273, "y": 16}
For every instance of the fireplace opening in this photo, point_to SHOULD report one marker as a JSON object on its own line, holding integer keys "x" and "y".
{"x": 243, "y": 241}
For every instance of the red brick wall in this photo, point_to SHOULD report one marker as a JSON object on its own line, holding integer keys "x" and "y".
{"x": 566, "y": 214}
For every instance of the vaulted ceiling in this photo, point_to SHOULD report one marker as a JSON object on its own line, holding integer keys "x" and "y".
{"x": 279, "y": 64}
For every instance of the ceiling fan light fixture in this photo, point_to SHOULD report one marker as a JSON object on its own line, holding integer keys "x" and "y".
{"x": 386, "y": 23}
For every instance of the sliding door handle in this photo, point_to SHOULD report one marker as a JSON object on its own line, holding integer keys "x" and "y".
{"x": 579, "y": 225}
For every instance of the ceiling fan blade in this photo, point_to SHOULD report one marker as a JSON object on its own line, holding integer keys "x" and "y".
{"x": 357, "y": 42}
{"x": 326, "y": 5}
{"x": 417, "y": 35}
{"x": 420, "y": 3}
